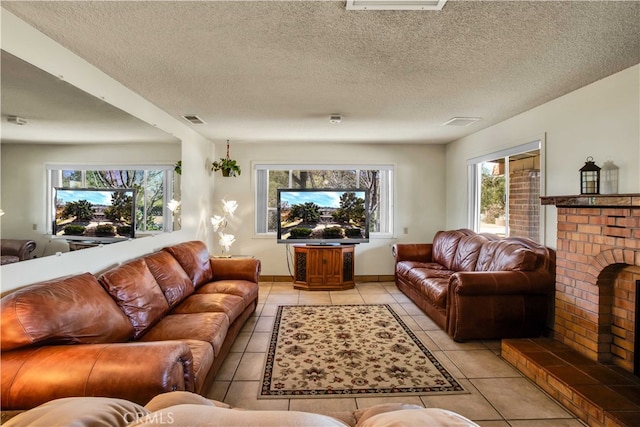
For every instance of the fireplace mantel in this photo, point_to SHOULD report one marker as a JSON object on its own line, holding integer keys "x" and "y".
{"x": 593, "y": 200}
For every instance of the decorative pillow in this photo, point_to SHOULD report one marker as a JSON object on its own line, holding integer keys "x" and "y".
{"x": 80, "y": 412}
{"x": 62, "y": 311}
{"x": 194, "y": 258}
{"x": 171, "y": 278}
{"x": 136, "y": 291}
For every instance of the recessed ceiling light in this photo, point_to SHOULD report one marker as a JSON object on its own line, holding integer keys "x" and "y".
{"x": 193, "y": 119}
{"x": 461, "y": 121}
{"x": 395, "y": 4}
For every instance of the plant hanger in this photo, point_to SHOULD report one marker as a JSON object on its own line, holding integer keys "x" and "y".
{"x": 228, "y": 166}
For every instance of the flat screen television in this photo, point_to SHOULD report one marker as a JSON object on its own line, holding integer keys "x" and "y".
{"x": 327, "y": 216}
{"x": 94, "y": 214}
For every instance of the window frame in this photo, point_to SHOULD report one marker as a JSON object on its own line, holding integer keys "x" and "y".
{"x": 474, "y": 181}
{"x": 261, "y": 192}
{"x": 168, "y": 183}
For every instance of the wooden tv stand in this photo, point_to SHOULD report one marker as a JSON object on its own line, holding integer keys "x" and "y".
{"x": 324, "y": 268}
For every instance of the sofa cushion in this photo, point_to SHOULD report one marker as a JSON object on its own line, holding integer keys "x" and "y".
{"x": 467, "y": 253}
{"x": 195, "y": 260}
{"x": 207, "y": 415}
{"x": 427, "y": 283}
{"x": 172, "y": 279}
{"x": 81, "y": 412}
{"x": 62, "y": 311}
{"x": 502, "y": 255}
{"x": 209, "y": 327}
{"x": 202, "y": 361}
{"x": 247, "y": 290}
{"x": 418, "y": 417}
{"x": 231, "y": 305}
{"x": 403, "y": 267}
{"x": 136, "y": 291}
{"x": 445, "y": 244}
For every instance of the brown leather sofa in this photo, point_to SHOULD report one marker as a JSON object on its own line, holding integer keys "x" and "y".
{"x": 479, "y": 286}
{"x": 14, "y": 250}
{"x": 158, "y": 323}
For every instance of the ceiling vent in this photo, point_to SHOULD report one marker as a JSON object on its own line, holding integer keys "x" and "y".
{"x": 193, "y": 119}
{"x": 395, "y": 4}
{"x": 462, "y": 121}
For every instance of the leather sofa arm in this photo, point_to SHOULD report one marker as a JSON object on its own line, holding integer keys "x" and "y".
{"x": 412, "y": 252}
{"x": 17, "y": 247}
{"x": 236, "y": 269}
{"x": 501, "y": 283}
{"x": 135, "y": 371}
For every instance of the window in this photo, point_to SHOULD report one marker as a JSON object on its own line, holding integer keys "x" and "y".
{"x": 378, "y": 179}
{"x": 505, "y": 189}
{"x": 153, "y": 184}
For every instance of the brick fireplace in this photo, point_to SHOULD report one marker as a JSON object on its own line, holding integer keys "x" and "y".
{"x": 588, "y": 365}
{"x": 598, "y": 266}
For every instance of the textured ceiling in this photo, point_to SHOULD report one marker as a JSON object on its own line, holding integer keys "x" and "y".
{"x": 59, "y": 113}
{"x": 276, "y": 70}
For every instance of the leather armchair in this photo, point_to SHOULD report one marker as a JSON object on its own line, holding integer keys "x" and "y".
{"x": 14, "y": 250}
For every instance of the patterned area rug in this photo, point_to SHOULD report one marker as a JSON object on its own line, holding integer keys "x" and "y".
{"x": 340, "y": 350}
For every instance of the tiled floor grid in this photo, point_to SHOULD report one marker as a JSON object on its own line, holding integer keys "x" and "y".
{"x": 500, "y": 396}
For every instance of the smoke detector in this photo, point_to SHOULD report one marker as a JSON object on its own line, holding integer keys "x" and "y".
{"x": 335, "y": 119}
{"x": 17, "y": 120}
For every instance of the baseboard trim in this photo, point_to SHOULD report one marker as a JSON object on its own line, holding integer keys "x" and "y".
{"x": 361, "y": 278}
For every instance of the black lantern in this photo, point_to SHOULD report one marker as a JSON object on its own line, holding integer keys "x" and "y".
{"x": 590, "y": 177}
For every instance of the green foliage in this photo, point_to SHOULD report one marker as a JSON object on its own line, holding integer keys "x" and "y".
{"x": 351, "y": 209}
{"x": 74, "y": 230}
{"x": 333, "y": 233}
{"x": 300, "y": 232}
{"x": 353, "y": 232}
{"x": 307, "y": 212}
{"x": 492, "y": 195}
{"x": 124, "y": 230}
{"x": 229, "y": 167}
{"x": 120, "y": 209}
{"x": 178, "y": 167}
{"x": 105, "y": 230}
{"x": 82, "y": 210}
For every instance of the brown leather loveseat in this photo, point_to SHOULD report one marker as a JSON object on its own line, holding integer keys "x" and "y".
{"x": 479, "y": 286}
{"x": 158, "y": 323}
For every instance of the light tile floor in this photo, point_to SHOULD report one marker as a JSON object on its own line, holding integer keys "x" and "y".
{"x": 499, "y": 395}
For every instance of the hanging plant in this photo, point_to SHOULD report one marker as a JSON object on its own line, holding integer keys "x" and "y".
{"x": 178, "y": 167}
{"x": 228, "y": 166}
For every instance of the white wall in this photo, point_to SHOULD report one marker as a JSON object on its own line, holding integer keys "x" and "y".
{"x": 25, "y": 42}
{"x": 601, "y": 120}
{"x": 418, "y": 202}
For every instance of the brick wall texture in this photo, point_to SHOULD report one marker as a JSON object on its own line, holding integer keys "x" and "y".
{"x": 598, "y": 265}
